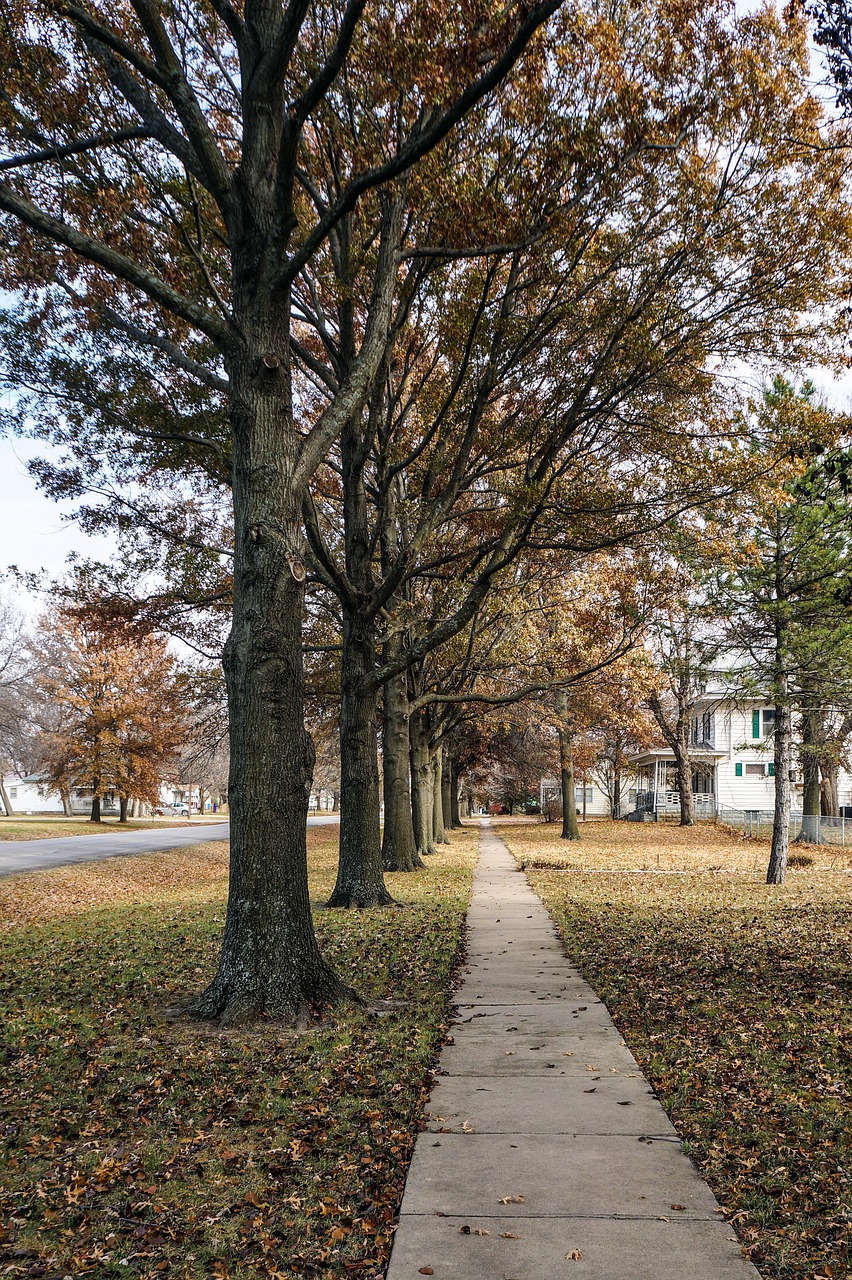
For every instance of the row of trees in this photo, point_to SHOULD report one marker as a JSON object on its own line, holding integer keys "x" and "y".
{"x": 385, "y": 337}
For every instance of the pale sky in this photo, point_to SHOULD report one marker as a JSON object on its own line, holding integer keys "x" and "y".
{"x": 33, "y": 534}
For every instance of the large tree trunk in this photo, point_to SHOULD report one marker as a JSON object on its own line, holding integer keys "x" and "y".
{"x": 4, "y": 797}
{"x": 810, "y": 828}
{"x": 781, "y": 821}
{"x": 455, "y": 812}
{"x": 360, "y": 881}
{"x": 446, "y": 791}
{"x": 399, "y": 851}
{"x": 616, "y": 793}
{"x": 677, "y": 736}
{"x": 65, "y": 797}
{"x": 96, "y": 809}
{"x": 422, "y": 795}
{"x": 438, "y": 832}
{"x": 683, "y": 765}
{"x": 570, "y": 829}
{"x": 122, "y": 808}
{"x": 830, "y": 790}
{"x": 270, "y": 963}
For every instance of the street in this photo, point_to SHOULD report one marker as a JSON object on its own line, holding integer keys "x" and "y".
{"x": 38, "y": 855}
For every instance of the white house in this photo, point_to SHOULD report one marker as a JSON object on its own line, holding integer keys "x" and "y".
{"x": 732, "y": 754}
{"x": 32, "y": 794}
{"x": 590, "y": 799}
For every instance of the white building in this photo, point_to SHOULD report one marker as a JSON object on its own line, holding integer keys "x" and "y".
{"x": 32, "y": 795}
{"x": 732, "y": 754}
{"x": 590, "y": 799}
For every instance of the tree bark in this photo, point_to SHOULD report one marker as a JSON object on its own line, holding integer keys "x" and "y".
{"x": 781, "y": 821}
{"x": 399, "y": 850}
{"x": 4, "y": 798}
{"x": 616, "y": 793}
{"x": 65, "y": 797}
{"x": 777, "y": 868}
{"x": 683, "y": 764}
{"x": 570, "y": 829}
{"x": 809, "y": 832}
{"x": 96, "y": 809}
{"x": 455, "y": 812}
{"x": 360, "y": 880}
{"x": 439, "y": 834}
{"x": 677, "y": 737}
{"x": 269, "y": 963}
{"x": 422, "y": 794}
{"x": 446, "y": 792}
{"x": 830, "y": 790}
{"x": 122, "y": 808}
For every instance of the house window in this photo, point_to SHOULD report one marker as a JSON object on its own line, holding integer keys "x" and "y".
{"x": 755, "y": 771}
{"x": 13, "y": 793}
{"x": 755, "y": 724}
{"x": 738, "y": 770}
{"x": 578, "y": 795}
{"x": 707, "y": 727}
{"x": 768, "y": 721}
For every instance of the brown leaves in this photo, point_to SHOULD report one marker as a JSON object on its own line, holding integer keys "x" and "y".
{"x": 131, "y": 1136}
{"x": 735, "y": 999}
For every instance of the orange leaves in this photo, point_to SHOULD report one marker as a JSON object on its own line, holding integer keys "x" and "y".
{"x": 114, "y": 702}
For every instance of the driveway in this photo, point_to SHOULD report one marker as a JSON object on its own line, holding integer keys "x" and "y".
{"x": 38, "y": 855}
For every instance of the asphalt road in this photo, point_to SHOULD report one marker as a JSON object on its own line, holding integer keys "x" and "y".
{"x": 37, "y": 855}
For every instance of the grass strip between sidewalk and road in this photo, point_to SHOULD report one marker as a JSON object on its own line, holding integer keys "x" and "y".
{"x": 40, "y": 828}
{"x": 132, "y": 1145}
{"x": 736, "y": 999}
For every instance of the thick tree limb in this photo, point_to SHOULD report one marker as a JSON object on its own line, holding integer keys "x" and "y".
{"x": 124, "y": 268}
{"x": 92, "y": 143}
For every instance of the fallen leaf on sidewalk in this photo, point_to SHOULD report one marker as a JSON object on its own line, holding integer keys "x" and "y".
{"x": 511, "y": 1200}
{"x": 425, "y": 1271}
{"x": 574, "y": 1256}
{"x": 508, "y": 1235}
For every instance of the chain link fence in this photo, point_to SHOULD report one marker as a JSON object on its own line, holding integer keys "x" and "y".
{"x": 818, "y": 830}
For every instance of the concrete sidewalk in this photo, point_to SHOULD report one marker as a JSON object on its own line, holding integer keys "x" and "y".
{"x": 546, "y": 1153}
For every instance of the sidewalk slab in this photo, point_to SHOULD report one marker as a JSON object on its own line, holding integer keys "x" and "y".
{"x": 583, "y": 1105}
{"x": 545, "y": 1153}
{"x": 609, "y": 1249}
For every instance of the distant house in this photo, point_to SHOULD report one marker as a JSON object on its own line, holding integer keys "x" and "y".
{"x": 732, "y": 752}
{"x": 595, "y": 803}
{"x": 33, "y": 795}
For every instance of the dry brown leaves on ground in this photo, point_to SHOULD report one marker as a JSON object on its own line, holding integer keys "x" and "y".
{"x": 735, "y": 997}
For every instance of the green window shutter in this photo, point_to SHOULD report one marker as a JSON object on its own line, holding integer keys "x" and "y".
{"x": 755, "y": 724}
{"x": 738, "y": 770}
{"x": 772, "y": 768}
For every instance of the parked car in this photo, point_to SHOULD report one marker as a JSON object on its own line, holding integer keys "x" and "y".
{"x": 180, "y": 808}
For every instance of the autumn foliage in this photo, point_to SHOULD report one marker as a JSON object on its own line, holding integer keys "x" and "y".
{"x": 119, "y": 718}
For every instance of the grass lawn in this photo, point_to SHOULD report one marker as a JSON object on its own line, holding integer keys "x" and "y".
{"x": 40, "y": 827}
{"x": 135, "y": 1146}
{"x": 735, "y": 998}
